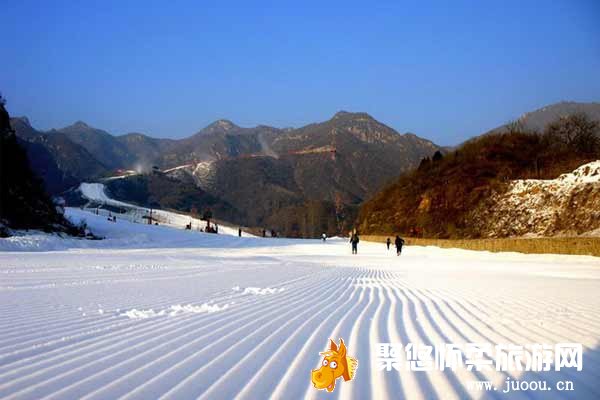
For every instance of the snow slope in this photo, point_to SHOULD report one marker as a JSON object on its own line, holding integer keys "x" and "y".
{"x": 168, "y": 313}
{"x": 96, "y": 192}
{"x": 122, "y": 234}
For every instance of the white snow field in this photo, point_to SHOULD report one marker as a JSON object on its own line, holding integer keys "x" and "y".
{"x": 157, "y": 312}
{"x": 133, "y": 213}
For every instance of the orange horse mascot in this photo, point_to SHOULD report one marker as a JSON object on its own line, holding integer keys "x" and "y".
{"x": 336, "y": 363}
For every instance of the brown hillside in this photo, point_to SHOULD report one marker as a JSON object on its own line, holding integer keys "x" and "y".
{"x": 437, "y": 198}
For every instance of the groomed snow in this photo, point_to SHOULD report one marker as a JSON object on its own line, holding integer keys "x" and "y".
{"x": 158, "y": 312}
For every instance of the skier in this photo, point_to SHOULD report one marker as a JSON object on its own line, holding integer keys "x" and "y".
{"x": 354, "y": 239}
{"x": 324, "y": 237}
{"x": 240, "y": 232}
{"x": 388, "y": 242}
{"x": 399, "y": 243}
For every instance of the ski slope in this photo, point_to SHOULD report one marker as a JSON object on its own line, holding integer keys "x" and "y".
{"x": 158, "y": 312}
{"x": 96, "y": 192}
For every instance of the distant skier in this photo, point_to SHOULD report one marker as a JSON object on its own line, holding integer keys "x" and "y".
{"x": 324, "y": 237}
{"x": 264, "y": 233}
{"x": 240, "y": 232}
{"x": 388, "y": 242}
{"x": 399, "y": 243}
{"x": 354, "y": 239}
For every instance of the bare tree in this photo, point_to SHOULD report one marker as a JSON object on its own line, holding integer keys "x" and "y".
{"x": 575, "y": 131}
{"x": 515, "y": 126}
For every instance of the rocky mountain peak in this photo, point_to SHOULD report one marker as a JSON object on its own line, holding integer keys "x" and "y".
{"x": 219, "y": 126}
{"x": 224, "y": 124}
{"x": 347, "y": 115}
{"x": 80, "y": 125}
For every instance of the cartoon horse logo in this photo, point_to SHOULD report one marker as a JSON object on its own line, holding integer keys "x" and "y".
{"x": 335, "y": 363}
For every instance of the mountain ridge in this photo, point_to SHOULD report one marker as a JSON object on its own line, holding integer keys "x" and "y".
{"x": 273, "y": 177}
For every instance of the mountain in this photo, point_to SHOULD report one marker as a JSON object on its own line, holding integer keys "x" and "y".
{"x": 129, "y": 151}
{"x": 59, "y": 161}
{"x": 220, "y": 140}
{"x": 24, "y": 204}
{"x": 283, "y": 179}
{"x": 105, "y": 147}
{"x": 486, "y": 187}
{"x": 145, "y": 150}
{"x": 359, "y": 153}
{"x": 536, "y": 121}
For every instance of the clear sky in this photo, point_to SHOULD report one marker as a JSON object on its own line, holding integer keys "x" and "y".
{"x": 445, "y": 70}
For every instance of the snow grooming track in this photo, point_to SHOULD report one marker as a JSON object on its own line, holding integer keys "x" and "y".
{"x": 127, "y": 356}
{"x": 63, "y": 335}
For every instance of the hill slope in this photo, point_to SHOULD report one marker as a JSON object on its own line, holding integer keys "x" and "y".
{"x": 537, "y": 120}
{"x": 567, "y": 205}
{"x": 24, "y": 204}
{"x": 54, "y": 157}
{"x": 464, "y": 194}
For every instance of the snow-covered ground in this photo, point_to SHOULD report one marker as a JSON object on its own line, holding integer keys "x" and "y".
{"x": 157, "y": 312}
{"x": 96, "y": 192}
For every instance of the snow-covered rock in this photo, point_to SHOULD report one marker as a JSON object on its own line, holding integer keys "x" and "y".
{"x": 567, "y": 205}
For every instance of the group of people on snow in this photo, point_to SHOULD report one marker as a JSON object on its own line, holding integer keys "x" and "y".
{"x": 271, "y": 232}
{"x": 355, "y": 239}
{"x": 214, "y": 228}
{"x": 399, "y": 242}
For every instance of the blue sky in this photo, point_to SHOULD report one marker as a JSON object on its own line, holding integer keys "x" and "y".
{"x": 443, "y": 70}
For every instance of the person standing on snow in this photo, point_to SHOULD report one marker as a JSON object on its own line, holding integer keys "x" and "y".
{"x": 324, "y": 237}
{"x": 399, "y": 243}
{"x": 354, "y": 239}
{"x": 388, "y": 242}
